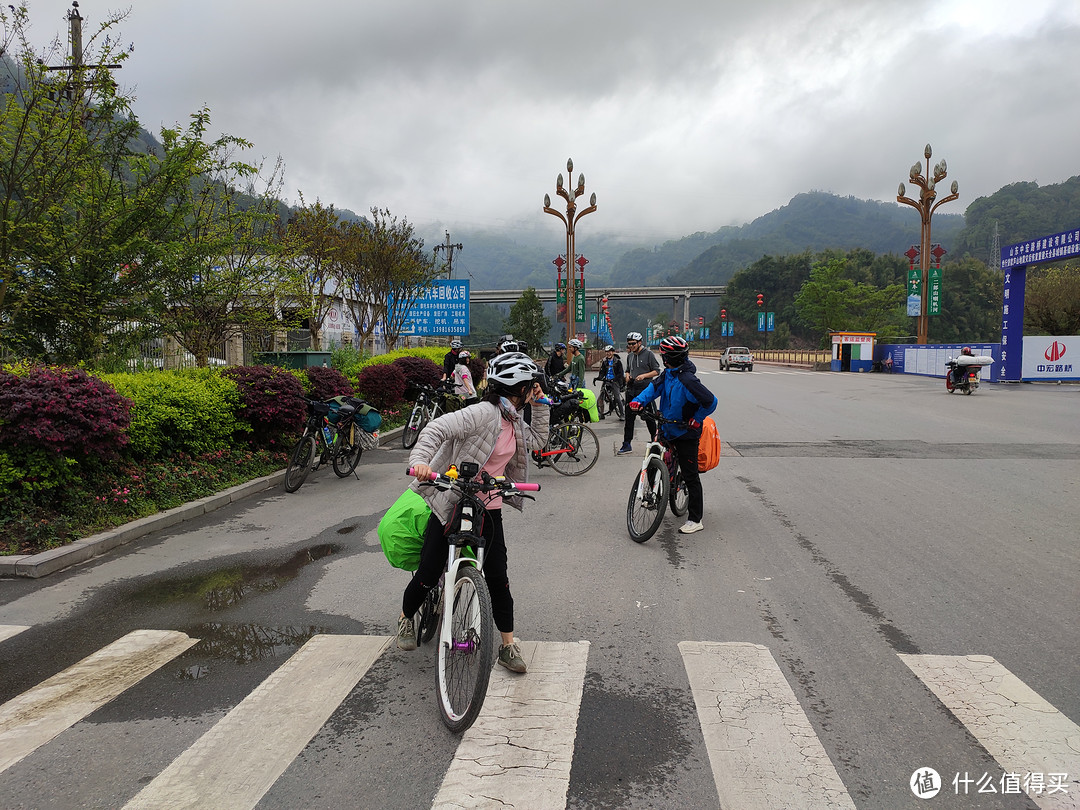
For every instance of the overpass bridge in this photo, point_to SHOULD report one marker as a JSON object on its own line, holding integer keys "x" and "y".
{"x": 677, "y": 295}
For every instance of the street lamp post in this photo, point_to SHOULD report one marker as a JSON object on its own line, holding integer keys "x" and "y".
{"x": 926, "y": 206}
{"x": 570, "y": 220}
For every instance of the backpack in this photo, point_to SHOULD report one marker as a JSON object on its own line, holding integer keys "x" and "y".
{"x": 708, "y": 454}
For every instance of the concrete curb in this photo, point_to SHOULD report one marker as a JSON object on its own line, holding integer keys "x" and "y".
{"x": 57, "y": 559}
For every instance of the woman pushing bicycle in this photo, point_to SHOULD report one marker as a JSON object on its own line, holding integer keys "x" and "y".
{"x": 684, "y": 398}
{"x": 492, "y": 435}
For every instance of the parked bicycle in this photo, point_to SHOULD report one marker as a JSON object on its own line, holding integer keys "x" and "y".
{"x": 571, "y": 448}
{"x": 657, "y": 485}
{"x": 431, "y": 403}
{"x": 467, "y": 641}
{"x": 339, "y": 443}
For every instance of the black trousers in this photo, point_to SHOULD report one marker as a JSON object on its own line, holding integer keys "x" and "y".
{"x": 686, "y": 451}
{"x": 628, "y": 425}
{"x": 433, "y": 563}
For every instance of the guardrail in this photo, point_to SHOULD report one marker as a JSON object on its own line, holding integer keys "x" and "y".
{"x": 794, "y": 357}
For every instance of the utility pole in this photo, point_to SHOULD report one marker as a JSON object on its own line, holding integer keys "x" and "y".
{"x": 76, "y": 86}
{"x": 449, "y": 248}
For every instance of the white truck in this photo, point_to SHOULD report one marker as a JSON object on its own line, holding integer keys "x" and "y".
{"x": 737, "y": 356}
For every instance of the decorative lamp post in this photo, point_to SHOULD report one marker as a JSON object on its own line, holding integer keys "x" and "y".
{"x": 926, "y": 206}
{"x": 570, "y": 220}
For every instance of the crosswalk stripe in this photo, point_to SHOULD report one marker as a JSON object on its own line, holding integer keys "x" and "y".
{"x": 519, "y": 750}
{"x": 9, "y": 630}
{"x": 763, "y": 750}
{"x": 1023, "y": 732}
{"x": 54, "y": 705}
{"x": 238, "y": 760}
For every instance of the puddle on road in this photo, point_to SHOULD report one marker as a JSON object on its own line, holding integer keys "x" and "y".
{"x": 221, "y": 589}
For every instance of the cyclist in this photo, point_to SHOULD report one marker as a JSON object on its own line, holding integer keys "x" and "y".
{"x": 450, "y": 359}
{"x": 611, "y": 371}
{"x": 684, "y": 398}
{"x": 641, "y": 367}
{"x": 492, "y": 435}
{"x": 557, "y": 362}
{"x": 576, "y": 369}
{"x": 462, "y": 377}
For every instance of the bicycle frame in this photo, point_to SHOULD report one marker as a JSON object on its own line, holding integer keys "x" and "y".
{"x": 457, "y": 557}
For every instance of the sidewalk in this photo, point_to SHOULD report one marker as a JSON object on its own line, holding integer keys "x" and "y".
{"x": 57, "y": 559}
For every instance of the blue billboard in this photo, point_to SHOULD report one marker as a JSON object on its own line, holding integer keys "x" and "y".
{"x": 442, "y": 309}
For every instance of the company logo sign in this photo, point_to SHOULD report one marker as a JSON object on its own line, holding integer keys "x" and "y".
{"x": 1054, "y": 352}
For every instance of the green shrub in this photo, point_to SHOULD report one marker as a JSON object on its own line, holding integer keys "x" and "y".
{"x": 192, "y": 411}
{"x": 271, "y": 402}
{"x": 382, "y": 385}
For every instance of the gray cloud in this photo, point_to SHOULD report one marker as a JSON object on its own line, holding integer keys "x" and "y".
{"x": 684, "y": 116}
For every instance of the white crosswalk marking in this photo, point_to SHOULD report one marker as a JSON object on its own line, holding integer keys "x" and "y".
{"x": 763, "y": 751}
{"x": 238, "y": 760}
{"x": 1023, "y": 732}
{"x": 9, "y": 630}
{"x": 518, "y": 753}
{"x": 39, "y": 714}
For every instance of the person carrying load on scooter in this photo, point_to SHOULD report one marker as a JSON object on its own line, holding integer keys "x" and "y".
{"x": 958, "y": 371}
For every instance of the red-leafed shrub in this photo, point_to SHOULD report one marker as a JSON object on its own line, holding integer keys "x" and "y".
{"x": 327, "y": 383}
{"x": 419, "y": 369}
{"x": 271, "y": 401}
{"x": 63, "y": 411}
{"x": 382, "y": 385}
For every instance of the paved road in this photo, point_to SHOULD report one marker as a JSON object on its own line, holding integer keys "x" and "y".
{"x": 887, "y": 583}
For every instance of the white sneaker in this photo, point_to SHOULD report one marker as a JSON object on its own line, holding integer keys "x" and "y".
{"x": 690, "y": 527}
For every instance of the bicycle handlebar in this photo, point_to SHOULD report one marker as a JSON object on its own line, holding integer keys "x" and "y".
{"x": 485, "y": 485}
{"x": 654, "y": 414}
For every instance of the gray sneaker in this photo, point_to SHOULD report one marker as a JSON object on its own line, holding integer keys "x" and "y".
{"x": 510, "y": 657}
{"x": 690, "y": 527}
{"x": 406, "y": 634}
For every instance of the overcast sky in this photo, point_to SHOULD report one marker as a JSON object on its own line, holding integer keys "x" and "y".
{"x": 683, "y": 116}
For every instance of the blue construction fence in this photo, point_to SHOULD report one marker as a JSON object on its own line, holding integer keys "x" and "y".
{"x": 929, "y": 360}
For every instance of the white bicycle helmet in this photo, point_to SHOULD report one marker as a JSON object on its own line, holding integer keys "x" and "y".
{"x": 633, "y": 336}
{"x": 464, "y": 354}
{"x": 609, "y": 348}
{"x": 455, "y": 344}
{"x": 511, "y": 369}
{"x": 577, "y": 344}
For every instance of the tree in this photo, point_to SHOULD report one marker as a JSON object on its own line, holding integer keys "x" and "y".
{"x": 218, "y": 268}
{"x": 823, "y": 301}
{"x": 312, "y": 239}
{"x": 526, "y": 320}
{"x": 1052, "y": 301}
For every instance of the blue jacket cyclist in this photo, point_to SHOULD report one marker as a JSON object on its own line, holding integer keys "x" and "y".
{"x": 684, "y": 398}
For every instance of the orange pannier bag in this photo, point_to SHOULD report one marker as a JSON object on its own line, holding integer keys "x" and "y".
{"x": 708, "y": 454}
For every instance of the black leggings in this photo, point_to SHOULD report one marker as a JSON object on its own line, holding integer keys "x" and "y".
{"x": 433, "y": 563}
{"x": 686, "y": 450}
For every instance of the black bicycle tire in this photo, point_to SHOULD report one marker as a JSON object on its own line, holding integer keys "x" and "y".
{"x": 658, "y": 468}
{"x": 427, "y": 621}
{"x": 347, "y": 456}
{"x": 593, "y": 448}
{"x": 673, "y": 496}
{"x": 300, "y": 465}
{"x": 458, "y": 718}
{"x": 620, "y": 407}
{"x": 408, "y": 436}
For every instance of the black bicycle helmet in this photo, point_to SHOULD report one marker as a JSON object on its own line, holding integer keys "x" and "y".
{"x": 674, "y": 350}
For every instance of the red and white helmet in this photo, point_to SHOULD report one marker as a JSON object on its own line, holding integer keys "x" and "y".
{"x": 674, "y": 350}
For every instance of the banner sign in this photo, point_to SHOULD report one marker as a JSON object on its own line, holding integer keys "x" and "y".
{"x": 1065, "y": 245}
{"x": 1051, "y": 358}
{"x": 442, "y": 309}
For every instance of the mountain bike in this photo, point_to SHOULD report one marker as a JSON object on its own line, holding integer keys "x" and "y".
{"x": 571, "y": 449}
{"x": 431, "y": 403}
{"x": 611, "y": 396}
{"x": 322, "y": 442}
{"x": 465, "y": 642}
{"x": 657, "y": 485}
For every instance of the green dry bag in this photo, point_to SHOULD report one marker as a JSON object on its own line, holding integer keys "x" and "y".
{"x": 401, "y": 530}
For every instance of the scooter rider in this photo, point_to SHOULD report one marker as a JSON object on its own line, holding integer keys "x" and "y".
{"x": 958, "y": 371}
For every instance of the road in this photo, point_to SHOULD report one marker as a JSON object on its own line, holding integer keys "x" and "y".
{"x": 887, "y": 583}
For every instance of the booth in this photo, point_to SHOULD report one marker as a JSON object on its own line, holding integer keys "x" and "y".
{"x": 853, "y": 351}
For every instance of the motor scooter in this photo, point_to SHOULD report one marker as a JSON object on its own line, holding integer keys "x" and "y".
{"x": 963, "y": 373}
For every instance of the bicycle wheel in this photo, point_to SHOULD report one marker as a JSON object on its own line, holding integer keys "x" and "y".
{"x": 427, "y": 620}
{"x": 679, "y": 497}
{"x": 301, "y": 461}
{"x": 413, "y": 426}
{"x": 576, "y": 446}
{"x": 620, "y": 407}
{"x": 347, "y": 455}
{"x": 465, "y": 666}
{"x": 643, "y": 514}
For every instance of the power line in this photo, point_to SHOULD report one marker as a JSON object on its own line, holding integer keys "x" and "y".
{"x": 449, "y": 248}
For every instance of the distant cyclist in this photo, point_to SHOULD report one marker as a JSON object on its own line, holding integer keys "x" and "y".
{"x": 641, "y": 367}
{"x": 612, "y": 374}
{"x": 462, "y": 377}
{"x": 450, "y": 359}
{"x": 557, "y": 362}
{"x": 685, "y": 399}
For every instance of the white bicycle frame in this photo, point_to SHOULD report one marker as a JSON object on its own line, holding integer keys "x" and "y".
{"x": 652, "y": 450}
{"x": 454, "y": 561}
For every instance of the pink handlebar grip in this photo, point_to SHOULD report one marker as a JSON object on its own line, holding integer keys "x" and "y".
{"x": 527, "y": 487}
{"x": 410, "y": 472}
